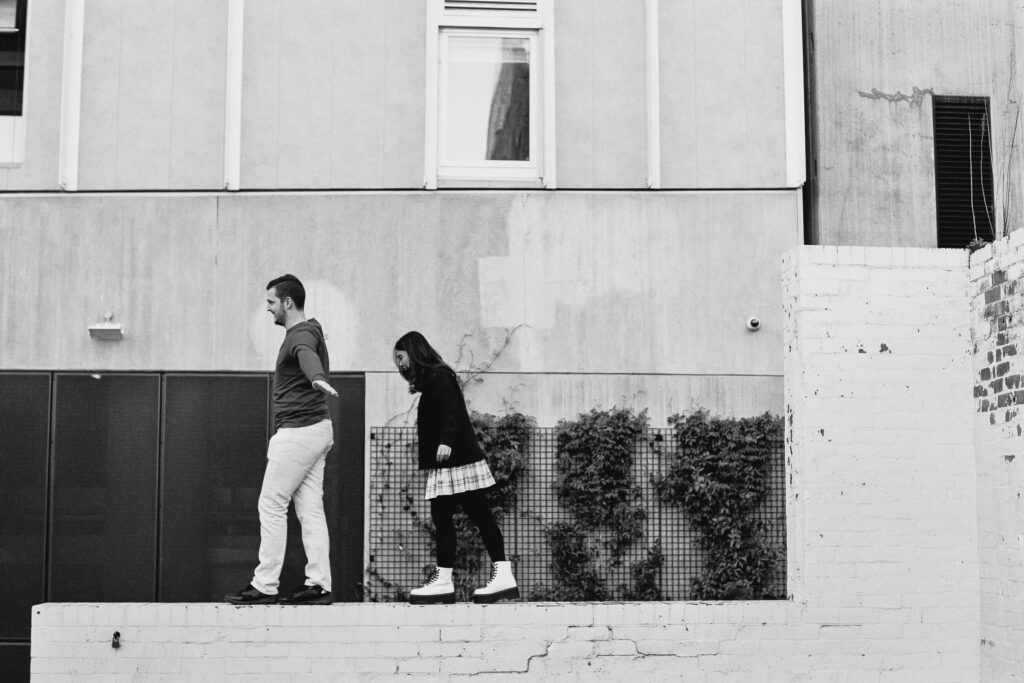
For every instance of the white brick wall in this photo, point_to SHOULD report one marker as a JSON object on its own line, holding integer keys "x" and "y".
{"x": 881, "y": 509}
{"x": 998, "y": 304}
{"x": 895, "y": 519}
{"x": 540, "y": 641}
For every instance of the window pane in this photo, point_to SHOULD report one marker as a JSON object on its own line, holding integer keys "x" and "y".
{"x": 488, "y": 99}
{"x": 103, "y": 542}
{"x": 215, "y": 452}
{"x": 8, "y": 14}
{"x": 12, "y": 57}
{"x": 24, "y": 435}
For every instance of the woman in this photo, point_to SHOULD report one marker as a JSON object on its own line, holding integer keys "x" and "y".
{"x": 457, "y": 472}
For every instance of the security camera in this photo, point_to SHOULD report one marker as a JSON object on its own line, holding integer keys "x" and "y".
{"x": 753, "y": 324}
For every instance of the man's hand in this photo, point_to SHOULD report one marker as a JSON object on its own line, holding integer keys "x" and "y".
{"x": 443, "y": 452}
{"x": 323, "y": 386}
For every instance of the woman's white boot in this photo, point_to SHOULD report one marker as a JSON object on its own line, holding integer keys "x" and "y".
{"x": 438, "y": 589}
{"x": 502, "y": 585}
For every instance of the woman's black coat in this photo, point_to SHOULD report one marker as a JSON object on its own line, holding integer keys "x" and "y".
{"x": 442, "y": 418}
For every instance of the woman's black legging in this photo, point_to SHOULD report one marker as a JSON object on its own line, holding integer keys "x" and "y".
{"x": 476, "y": 507}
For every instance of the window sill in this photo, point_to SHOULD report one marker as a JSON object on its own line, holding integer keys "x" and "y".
{"x": 475, "y": 183}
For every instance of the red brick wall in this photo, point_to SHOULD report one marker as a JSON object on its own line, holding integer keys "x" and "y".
{"x": 998, "y": 328}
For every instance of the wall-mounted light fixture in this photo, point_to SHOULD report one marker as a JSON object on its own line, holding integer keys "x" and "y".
{"x": 107, "y": 330}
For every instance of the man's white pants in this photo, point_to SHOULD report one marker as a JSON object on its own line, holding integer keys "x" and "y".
{"x": 295, "y": 471}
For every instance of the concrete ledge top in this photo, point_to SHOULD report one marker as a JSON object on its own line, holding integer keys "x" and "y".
{"x": 401, "y": 614}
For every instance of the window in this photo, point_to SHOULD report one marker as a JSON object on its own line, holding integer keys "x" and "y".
{"x": 12, "y": 81}
{"x": 486, "y": 112}
{"x": 489, "y": 116}
{"x": 12, "y": 56}
{"x": 964, "y": 205}
{"x": 8, "y": 15}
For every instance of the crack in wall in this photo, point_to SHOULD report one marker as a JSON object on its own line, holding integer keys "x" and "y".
{"x": 529, "y": 660}
{"x": 637, "y": 654}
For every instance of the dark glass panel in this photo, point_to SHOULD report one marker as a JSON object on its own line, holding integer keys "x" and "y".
{"x": 104, "y": 488}
{"x": 344, "y": 486}
{"x": 24, "y": 441}
{"x": 215, "y": 449}
{"x": 15, "y": 662}
{"x": 215, "y": 441}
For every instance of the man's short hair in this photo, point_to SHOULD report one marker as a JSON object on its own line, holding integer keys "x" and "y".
{"x": 288, "y": 286}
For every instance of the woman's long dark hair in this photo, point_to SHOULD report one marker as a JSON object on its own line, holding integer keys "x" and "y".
{"x": 422, "y": 357}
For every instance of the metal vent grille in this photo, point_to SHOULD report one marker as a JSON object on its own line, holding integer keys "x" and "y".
{"x": 965, "y": 207}
{"x": 519, "y": 6}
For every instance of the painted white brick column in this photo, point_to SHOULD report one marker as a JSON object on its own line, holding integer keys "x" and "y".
{"x": 882, "y": 508}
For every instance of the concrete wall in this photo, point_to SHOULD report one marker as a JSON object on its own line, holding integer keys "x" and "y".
{"x": 723, "y": 121}
{"x": 998, "y": 299}
{"x": 600, "y": 94}
{"x": 550, "y": 397}
{"x": 877, "y": 65}
{"x": 333, "y": 95}
{"x": 610, "y": 285}
{"x": 152, "y": 110}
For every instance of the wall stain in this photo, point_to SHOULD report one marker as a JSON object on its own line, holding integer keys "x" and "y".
{"x": 915, "y": 99}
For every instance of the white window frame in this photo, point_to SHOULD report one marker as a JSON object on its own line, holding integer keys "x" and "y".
{"x": 536, "y": 25}
{"x": 71, "y": 95}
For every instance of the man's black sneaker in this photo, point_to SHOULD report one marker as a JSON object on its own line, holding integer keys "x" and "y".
{"x": 250, "y": 596}
{"x": 309, "y": 595}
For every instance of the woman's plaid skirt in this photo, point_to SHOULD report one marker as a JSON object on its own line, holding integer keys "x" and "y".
{"x": 447, "y": 481}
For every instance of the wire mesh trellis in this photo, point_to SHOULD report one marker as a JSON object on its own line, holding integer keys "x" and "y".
{"x": 402, "y": 551}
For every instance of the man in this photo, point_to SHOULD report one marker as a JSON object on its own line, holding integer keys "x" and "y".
{"x": 296, "y": 455}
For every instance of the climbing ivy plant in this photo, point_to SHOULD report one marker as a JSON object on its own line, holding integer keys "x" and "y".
{"x": 595, "y": 485}
{"x": 720, "y": 479}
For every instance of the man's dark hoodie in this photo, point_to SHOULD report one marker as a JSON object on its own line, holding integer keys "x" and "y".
{"x": 301, "y": 361}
